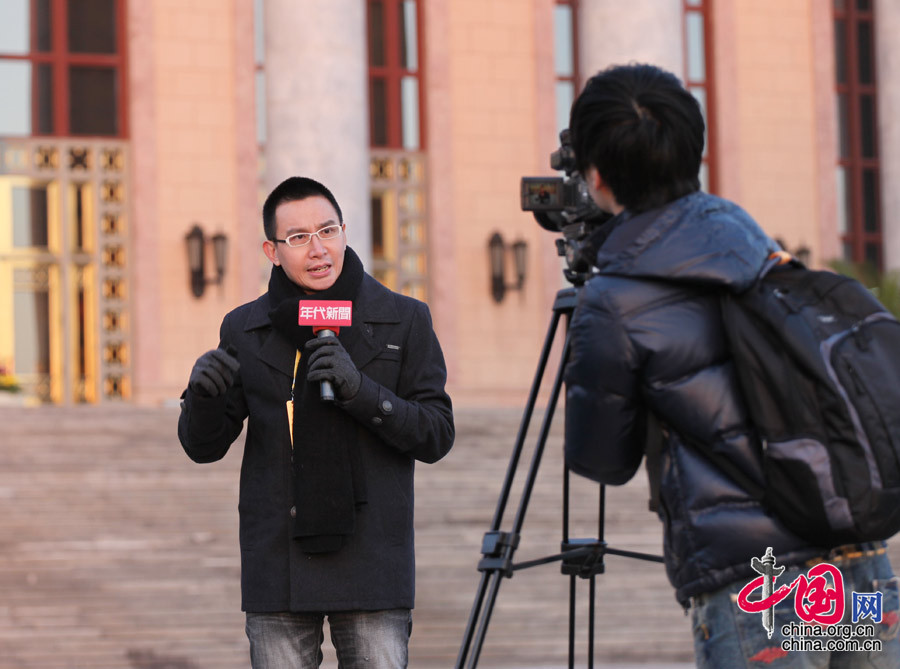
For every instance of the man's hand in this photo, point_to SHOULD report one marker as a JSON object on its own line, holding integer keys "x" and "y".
{"x": 213, "y": 373}
{"x": 329, "y": 361}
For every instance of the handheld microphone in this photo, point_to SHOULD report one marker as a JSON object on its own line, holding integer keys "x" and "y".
{"x": 326, "y": 317}
{"x": 326, "y": 392}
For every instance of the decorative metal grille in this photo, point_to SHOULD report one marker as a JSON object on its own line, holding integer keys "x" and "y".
{"x": 87, "y": 194}
{"x": 399, "y": 254}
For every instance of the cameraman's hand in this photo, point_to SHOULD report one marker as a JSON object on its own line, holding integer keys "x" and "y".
{"x": 213, "y": 373}
{"x": 329, "y": 361}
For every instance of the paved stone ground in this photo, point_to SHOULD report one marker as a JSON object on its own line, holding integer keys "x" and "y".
{"x": 117, "y": 551}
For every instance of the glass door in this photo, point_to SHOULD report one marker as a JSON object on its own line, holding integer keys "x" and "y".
{"x": 31, "y": 323}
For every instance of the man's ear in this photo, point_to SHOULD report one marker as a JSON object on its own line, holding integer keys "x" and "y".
{"x": 269, "y": 250}
{"x": 601, "y": 192}
{"x": 593, "y": 178}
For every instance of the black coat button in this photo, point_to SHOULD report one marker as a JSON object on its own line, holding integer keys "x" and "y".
{"x": 377, "y": 421}
{"x": 293, "y": 512}
{"x": 387, "y": 407}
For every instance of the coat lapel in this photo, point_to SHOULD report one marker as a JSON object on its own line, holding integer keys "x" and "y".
{"x": 374, "y": 304}
{"x": 276, "y": 351}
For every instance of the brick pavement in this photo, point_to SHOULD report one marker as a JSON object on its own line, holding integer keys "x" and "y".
{"x": 117, "y": 551}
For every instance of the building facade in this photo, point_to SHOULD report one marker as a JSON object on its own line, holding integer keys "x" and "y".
{"x": 127, "y": 125}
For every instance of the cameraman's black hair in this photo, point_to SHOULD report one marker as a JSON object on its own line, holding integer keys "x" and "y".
{"x": 289, "y": 190}
{"x": 642, "y": 131}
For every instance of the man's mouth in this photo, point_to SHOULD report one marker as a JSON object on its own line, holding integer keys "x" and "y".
{"x": 319, "y": 270}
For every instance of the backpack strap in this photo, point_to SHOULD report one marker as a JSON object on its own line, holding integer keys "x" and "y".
{"x": 654, "y": 438}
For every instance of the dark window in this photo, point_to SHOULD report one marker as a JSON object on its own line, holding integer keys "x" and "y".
{"x": 396, "y": 131}
{"x": 843, "y": 114}
{"x": 857, "y": 117}
{"x": 92, "y": 101}
{"x": 379, "y": 111}
{"x": 699, "y": 79}
{"x": 43, "y": 18}
{"x": 63, "y": 64}
{"x": 867, "y": 125}
{"x": 377, "y": 205}
{"x": 870, "y": 200}
{"x": 864, "y": 47}
{"x": 565, "y": 59}
{"x": 44, "y": 107}
{"x": 92, "y": 26}
{"x": 840, "y": 50}
{"x": 395, "y": 77}
{"x": 376, "y": 34}
{"x": 79, "y": 217}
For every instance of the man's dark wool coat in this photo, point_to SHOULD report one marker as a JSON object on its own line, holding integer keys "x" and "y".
{"x": 402, "y": 414}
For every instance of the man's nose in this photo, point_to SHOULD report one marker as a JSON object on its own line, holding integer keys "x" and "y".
{"x": 316, "y": 247}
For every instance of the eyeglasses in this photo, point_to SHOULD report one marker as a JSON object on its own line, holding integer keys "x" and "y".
{"x": 304, "y": 238}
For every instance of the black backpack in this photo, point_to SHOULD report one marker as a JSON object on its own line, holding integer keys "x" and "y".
{"x": 818, "y": 361}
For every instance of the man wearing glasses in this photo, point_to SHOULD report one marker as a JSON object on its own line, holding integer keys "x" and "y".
{"x": 326, "y": 495}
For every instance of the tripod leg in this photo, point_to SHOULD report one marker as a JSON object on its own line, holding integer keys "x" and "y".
{"x": 542, "y": 440}
{"x": 498, "y": 563}
{"x": 593, "y": 592}
{"x": 496, "y": 578}
{"x": 572, "y": 622}
{"x": 526, "y": 421}
{"x": 473, "y": 617}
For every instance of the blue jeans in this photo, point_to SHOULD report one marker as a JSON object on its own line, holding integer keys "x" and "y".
{"x": 726, "y": 636}
{"x": 370, "y": 639}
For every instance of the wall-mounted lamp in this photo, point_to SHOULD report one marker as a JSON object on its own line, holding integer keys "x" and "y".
{"x": 196, "y": 250}
{"x": 497, "y": 253}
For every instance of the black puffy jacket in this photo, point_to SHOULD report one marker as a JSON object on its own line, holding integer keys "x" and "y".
{"x": 647, "y": 339}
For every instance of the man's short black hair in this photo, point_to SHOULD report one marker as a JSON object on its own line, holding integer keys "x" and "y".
{"x": 289, "y": 190}
{"x": 642, "y": 131}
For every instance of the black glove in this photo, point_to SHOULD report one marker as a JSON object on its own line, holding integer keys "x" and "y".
{"x": 213, "y": 373}
{"x": 329, "y": 361}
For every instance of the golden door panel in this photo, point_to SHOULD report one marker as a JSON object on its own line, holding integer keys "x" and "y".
{"x": 30, "y": 345}
{"x": 61, "y": 247}
{"x": 398, "y": 210}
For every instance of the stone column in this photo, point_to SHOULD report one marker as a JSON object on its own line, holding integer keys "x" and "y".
{"x": 611, "y": 32}
{"x": 887, "y": 25}
{"x": 317, "y": 103}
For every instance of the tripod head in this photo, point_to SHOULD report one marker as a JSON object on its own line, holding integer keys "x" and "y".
{"x": 564, "y": 204}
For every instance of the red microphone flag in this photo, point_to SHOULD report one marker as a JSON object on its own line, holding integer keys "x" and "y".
{"x": 325, "y": 314}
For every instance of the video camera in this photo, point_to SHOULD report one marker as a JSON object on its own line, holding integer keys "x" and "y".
{"x": 564, "y": 204}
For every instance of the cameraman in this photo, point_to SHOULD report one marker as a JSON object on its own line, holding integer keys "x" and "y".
{"x": 647, "y": 341}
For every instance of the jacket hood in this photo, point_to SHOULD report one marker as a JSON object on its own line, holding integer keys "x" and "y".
{"x": 700, "y": 239}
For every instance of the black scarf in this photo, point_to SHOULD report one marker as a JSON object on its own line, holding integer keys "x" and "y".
{"x": 328, "y": 478}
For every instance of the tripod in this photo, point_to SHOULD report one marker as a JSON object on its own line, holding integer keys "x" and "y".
{"x": 580, "y": 557}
